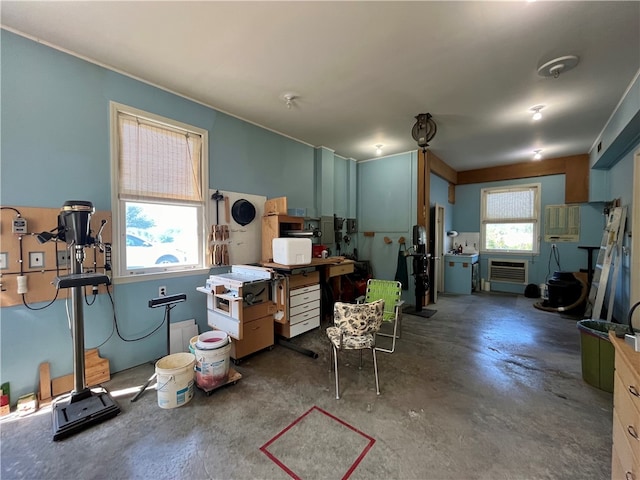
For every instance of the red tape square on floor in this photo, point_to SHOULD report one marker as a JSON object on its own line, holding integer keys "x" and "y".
{"x": 330, "y": 444}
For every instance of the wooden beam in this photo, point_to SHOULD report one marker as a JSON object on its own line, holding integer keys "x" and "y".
{"x": 441, "y": 169}
{"x": 423, "y": 193}
{"x": 576, "y": 188}
{"x": 551, "y": 166}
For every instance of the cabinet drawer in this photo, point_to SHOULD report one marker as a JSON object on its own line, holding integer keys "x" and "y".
{"x": 627, "y": 414}
{"x": 617, "y": 471}
{"x": 303, "y": 279}
{"x": 258, "y": 311}
{"x": 304, "y": 298}
{"x": 343, "y": 269}
{"x": 300, "y": 317}
{"x": 305, "y": 307}
{"x": 630, "y": 381}
{"x": 303, "y": 290}
{"x": 305, "y": 326}
{"x": 623, "y": 448}
{"x": 257, "y": 335}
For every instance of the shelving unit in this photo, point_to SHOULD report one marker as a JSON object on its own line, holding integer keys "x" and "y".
{"x": 274, "y": 226}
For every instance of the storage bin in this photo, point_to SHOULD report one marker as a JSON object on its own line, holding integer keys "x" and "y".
{"x": 597, "y": 352}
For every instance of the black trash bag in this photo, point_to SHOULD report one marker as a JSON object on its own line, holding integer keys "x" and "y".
{"x": 402, "y": 272}
{"x": 532, "y": 291}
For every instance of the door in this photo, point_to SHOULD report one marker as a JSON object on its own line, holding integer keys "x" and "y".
{"x": 438, "y": 246}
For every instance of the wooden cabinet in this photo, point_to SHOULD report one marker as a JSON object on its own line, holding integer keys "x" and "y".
{"x": 275, "y": 226}
{"x": 302, "y": 304}
{"x": 625, "y": 456}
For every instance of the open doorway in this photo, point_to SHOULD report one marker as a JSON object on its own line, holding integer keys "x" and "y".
{"x": 437, "y": 258}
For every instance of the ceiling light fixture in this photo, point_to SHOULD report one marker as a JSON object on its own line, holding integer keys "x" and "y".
{"x": 538, "y": 155}
{"x": 536, "y": 111}
{"x": 288, "y": 99}
{"x": 379, "y": 149}
{"x": 553, "y": 68}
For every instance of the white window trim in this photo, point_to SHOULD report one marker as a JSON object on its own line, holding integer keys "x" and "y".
{"x": 117, "y": 230}
{"x": 537, "y": 227}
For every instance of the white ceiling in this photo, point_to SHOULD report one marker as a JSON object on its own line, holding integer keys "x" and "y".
{"x": 363, "y": 70}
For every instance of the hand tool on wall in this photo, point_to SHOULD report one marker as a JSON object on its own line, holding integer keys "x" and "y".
{"x": 217, "y": 196}
{"x": 220, "y": 233}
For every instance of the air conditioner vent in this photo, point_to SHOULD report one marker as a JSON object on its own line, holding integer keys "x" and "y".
{"x": 508, "y": 271}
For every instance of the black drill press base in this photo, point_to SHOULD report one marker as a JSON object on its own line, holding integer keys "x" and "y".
{"x": 81, "y": 411}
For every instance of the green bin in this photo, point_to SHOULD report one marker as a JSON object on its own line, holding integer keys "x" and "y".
{"x": 597, "y": 352}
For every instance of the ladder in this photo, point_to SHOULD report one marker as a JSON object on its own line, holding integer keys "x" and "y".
{"x": 608, "y": 256}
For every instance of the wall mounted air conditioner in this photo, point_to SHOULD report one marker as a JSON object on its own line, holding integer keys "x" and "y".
{"x": 509, "y": 271}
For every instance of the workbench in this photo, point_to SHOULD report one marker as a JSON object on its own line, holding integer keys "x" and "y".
{"x": 298, "y": 293}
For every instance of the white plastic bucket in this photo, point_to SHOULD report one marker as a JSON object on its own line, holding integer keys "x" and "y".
{"x": 212, "y": 340}
{"x": 212, "y": 365}
{"x": 174, "y": 379}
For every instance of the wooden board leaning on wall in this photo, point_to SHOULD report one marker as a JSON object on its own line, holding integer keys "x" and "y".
{"x": 15, "y": 247}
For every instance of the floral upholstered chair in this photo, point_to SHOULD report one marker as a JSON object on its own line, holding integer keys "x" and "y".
{"x": 355, "y": 327}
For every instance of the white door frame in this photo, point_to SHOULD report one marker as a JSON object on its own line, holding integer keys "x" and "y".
{"x": 438, "y": 253}
{"x": 635, "y": 239}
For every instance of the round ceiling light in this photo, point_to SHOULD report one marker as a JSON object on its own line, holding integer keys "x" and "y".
{"x": 553, "y": 68}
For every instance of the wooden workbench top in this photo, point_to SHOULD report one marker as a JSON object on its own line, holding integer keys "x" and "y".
{"x": 315, "y": 262}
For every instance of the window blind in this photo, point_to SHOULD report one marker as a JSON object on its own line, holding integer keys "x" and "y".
{"x": 157, "y": 162}
{"x": 513, "y": 205}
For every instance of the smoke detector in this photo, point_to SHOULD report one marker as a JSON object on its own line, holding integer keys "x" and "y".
{"x": 553, "y": 68}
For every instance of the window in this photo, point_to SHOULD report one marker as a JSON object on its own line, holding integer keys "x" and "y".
{"x": 159, "y": 178}
{"x": 510, "y": 219}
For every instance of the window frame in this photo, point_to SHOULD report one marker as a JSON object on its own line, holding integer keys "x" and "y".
{"x": 535, "y": 221}
{"x": 118, "y": 206}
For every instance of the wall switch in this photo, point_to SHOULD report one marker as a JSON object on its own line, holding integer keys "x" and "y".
{"x": 4, "y": 260}
{"x": 36, "y": 259}
{"x": 19, "y": 226}
{"x": 162, "y": 291}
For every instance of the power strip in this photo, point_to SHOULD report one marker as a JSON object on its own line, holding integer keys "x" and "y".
{"x": 633, "y": 341}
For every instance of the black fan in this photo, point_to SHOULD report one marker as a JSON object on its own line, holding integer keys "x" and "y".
{"x": 424, "y": 130}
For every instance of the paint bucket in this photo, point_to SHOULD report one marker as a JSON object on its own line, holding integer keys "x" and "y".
{"x": 174, "y": 375}
{"x": 212, "y": 353}
{"x": 192, "y": 344}
{"x": 212, "y": 340}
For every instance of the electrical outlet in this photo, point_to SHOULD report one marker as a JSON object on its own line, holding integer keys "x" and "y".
{"x": 64, "y": 259}
{"x": 4, "y": 260}
{"x": 36, "y": 259}
{"x": 162, "y": 291}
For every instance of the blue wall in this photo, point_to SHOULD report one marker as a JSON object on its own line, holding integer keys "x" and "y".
{"x": 572, "y": 259}
{"x": 56, "y": 147}
{"x": 386, "y": 206}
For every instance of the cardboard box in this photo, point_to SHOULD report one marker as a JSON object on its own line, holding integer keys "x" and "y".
{"x": 276, "y": 206}
{"x": 27, "y": 404}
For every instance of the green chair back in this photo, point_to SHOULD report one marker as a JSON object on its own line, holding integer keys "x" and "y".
{"x": 388, "y": 290}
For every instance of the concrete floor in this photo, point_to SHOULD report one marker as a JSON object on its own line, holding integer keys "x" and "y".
{"x": 487, "y": 388}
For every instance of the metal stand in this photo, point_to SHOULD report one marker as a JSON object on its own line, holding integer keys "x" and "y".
{"x": 85, "y": 407}
{"x": 168, "y": 302}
